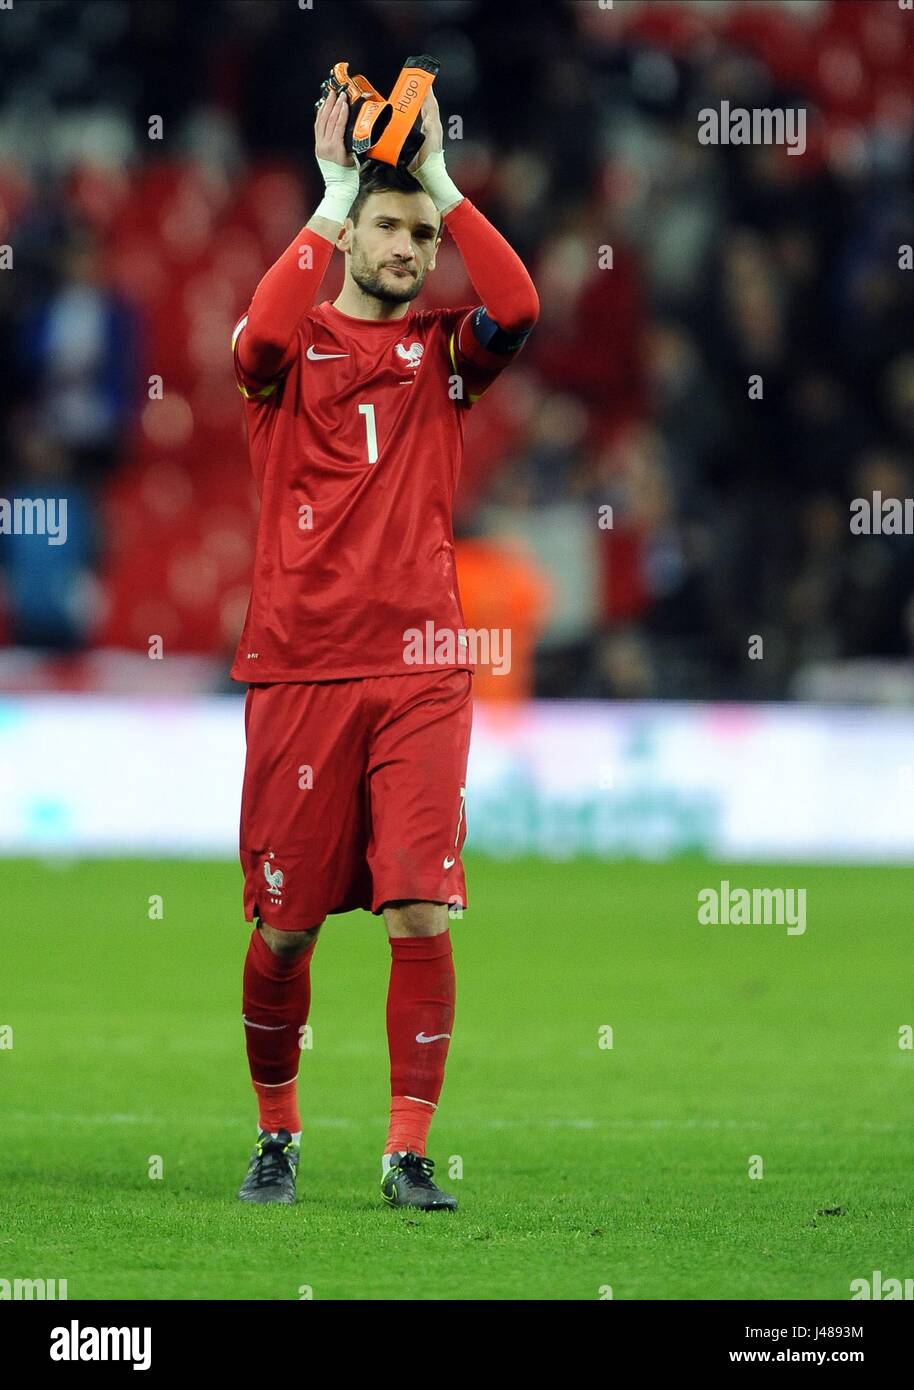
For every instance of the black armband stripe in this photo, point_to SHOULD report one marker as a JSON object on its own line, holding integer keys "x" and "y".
{"x": 489, "y": 335}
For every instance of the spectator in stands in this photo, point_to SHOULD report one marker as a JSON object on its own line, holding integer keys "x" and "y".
{"x": 49, "y": 588}
{"x": 79, "y": 351}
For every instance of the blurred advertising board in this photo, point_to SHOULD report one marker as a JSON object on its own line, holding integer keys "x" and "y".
{"x": 101, "y": 775}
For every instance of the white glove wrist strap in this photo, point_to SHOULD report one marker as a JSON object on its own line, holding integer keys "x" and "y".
{"x": 437, "y": 182}
{"x": 341, "y": 184}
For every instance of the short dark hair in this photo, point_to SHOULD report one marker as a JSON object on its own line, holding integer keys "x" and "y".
{"x": 377, "y": 177}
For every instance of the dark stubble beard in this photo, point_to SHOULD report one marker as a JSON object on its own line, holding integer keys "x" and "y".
{"x": 369, "y": 282}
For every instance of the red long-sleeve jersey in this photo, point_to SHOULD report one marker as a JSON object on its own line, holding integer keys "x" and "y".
{"x": 355, "y": 431}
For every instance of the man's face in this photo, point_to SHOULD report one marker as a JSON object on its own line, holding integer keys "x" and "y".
{"x": 393, "y": 245}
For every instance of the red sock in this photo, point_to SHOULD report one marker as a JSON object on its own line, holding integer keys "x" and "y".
{"x": 277, "y": 999}
{"x": 420, "y": 1005}
{"x": 409, "y": 1125}
{"x": 278, "y": 1107}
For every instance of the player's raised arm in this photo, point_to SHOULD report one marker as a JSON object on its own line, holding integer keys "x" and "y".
{"x": 265, "y": 337}
{"x": 499, "y": 276}
{"x": 341, "y": 176}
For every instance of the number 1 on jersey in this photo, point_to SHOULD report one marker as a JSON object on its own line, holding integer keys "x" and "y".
{"x": 371, "y": 431}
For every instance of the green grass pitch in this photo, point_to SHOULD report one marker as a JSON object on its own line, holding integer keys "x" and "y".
{"x": 583, "y": 1167}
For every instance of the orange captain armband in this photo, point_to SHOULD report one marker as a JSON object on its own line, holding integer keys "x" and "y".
{"x": 388, "y": 131}
{"x": 401, "y": 138}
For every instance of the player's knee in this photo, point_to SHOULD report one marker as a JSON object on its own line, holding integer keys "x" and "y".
{"x": 416, "y": 919}
{"x": 288, "y": 943}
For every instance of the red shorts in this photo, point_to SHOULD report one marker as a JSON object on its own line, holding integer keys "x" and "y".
{"x": 354, "y": 795}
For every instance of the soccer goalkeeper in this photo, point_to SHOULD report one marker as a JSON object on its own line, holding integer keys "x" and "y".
{"x": 355, "y": 774}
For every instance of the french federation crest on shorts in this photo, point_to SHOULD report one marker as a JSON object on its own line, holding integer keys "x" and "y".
{"x": 411, "y": 355}
{"x": 275, "y": 879}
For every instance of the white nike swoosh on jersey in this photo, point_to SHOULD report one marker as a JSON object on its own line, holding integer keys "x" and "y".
{"x": 322, "y": 356}
{"x": 449, "y": 862}
{"x": 421, "y": 1038}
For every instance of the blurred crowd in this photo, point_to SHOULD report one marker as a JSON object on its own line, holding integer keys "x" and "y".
{"x": 633, "y": 510}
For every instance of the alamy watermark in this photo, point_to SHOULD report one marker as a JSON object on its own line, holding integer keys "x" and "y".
{"x": 79, "y": 1343}
{"x": 882, "y": 516}
{"x": 726, "y": 906}
{"x": 445, "y": 646}
{"x": 34, "y": 516}
{"x": 761, "y": 126}
{"x": 24, "y": 1290}
{"x": 879, "y": 1287}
